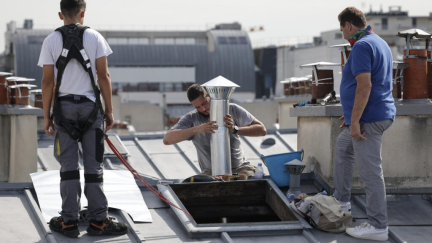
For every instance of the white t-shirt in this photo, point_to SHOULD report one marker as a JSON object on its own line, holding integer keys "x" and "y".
{"x": 75, "y": 79}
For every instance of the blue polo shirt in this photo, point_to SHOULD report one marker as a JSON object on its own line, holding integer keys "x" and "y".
{"x": 370, "y": 54}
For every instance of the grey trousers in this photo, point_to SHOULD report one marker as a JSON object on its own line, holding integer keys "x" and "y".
{"x": 366, "y": 154}
{"x": 66, "y": 152}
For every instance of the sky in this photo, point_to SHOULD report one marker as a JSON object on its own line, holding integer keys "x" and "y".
{"x": 282, "y": 19}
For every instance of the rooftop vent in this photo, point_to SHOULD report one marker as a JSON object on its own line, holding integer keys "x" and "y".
{"x": 295, "y": 168}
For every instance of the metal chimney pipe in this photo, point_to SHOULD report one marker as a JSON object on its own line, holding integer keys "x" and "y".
{"x": 220, "y": 90}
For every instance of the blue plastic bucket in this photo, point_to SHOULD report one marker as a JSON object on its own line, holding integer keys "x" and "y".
{"x": 278, "y": 171}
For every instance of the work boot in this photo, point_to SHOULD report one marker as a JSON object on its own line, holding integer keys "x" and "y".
{"x": 368, "y": 232}
{"x": 69, "y": 229}
{"x": 107, "y": 227}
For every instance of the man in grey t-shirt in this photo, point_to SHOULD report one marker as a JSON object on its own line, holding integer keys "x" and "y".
{"x": 197, "y": 127}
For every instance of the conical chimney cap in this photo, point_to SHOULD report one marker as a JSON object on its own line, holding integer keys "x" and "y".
{"x": 220, "y": 82}
{"x": 220, "y": 88}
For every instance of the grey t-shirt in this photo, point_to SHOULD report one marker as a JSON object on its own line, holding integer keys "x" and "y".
{"x": 201, "y": 141}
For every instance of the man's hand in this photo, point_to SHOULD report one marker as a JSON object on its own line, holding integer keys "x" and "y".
{"x": 355, "y": 131}
{"x": 208, "y": 127}
{"x": 229, "y": 123}
{"x": 109, "y": 121}
{"x": 48, "y": 123}
{"x": 343, "y": 123}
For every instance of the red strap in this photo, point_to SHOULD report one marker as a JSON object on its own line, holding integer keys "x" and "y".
{"x": 138, "y": 176}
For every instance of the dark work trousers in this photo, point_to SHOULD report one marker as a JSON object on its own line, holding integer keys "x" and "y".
{"x": 66, "y": 153}
{"x": 366, "y": 155}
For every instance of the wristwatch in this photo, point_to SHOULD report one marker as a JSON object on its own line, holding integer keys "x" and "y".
{"x": 235, "y": 129}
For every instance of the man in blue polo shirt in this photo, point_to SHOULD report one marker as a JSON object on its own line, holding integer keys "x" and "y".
{"x": 368, "y": 110}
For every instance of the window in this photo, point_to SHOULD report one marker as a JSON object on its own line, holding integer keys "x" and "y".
{"x": 153, "y": 87}
{"x": 143, "y": 87}
{"x": 414, "y": 22}
{"x": 186, "y": 86}
{"x": 178, "y": 87}
{"x": 242, "y": 40}
{"x": 127, "y": 41}
{"x": 384, "y": 24}
{"x": 338, "y": 35}
{"x": 232, "y": 40}
{"x": 164, "y": 41}
{"x": 138, "y": 41}
{"x": 184, "y": 41}
{"x": 130, "y": 87}
{"x": 168, "y": 87}
{"x": 222, "y": 40}
{"x": 128, "y": 119}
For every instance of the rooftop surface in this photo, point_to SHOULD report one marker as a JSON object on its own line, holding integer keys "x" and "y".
{"x": 410, "y": 216}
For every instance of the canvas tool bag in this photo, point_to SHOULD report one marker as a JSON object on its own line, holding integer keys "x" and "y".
{"x": 323, "y": 212}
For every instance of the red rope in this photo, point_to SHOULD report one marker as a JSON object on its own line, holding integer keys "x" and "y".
{"x": 138, "y": 176}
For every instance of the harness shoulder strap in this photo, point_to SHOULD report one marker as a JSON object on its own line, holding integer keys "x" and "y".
{"x": 73, "y": 48}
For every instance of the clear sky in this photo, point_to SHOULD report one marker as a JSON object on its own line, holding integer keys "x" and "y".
{"x": 281, "y": 19}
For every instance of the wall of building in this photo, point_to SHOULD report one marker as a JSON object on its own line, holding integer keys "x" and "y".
{"x": 143, "y": 116}
{"x": 405, "y": 150}
{"x": 18, "y": 147}
{"x": 266, "y": 112}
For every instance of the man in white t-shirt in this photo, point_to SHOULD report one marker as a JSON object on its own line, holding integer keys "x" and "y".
{"x": 76, "y": 103}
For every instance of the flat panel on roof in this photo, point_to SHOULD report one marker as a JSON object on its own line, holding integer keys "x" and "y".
{"x": 152, "y": 146}
{"x": 277, "y": 148}
{"x": 190, "y": 151}
{"x": 45, "y": 153}
{"x": 17, "y": 221}
{"x": 167, "y": 229}
{"x": 291, "y": 139}
{"x": 173, "y": 166}
{"x": 414, "y": 234}
{"x": 139, "y": 162}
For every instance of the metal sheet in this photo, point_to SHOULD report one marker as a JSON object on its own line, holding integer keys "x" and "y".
{"x": 220, "y": 140}
{"x": 119, "y": 186}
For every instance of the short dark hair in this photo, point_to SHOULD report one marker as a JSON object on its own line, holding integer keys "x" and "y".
{"x": 195, "y": 91}
{"x": 354, "y": 16}
{"x": 70, "y": 8}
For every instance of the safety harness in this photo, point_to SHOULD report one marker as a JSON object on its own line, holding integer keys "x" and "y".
{"x": 73, "y": 48}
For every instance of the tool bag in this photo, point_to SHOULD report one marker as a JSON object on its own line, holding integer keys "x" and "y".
{"x": 323, "y": 212}
{"x": 73, "y": 48}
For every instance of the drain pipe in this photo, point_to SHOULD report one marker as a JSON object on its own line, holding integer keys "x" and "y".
{"x": 220, "y": 89}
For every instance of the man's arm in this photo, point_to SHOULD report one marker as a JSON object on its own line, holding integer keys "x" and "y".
{"x": 177, "y": 135}
{"x": 47, "y": 93}
{"x": 364, "y": 86}
{"x": 255, "y": 129}
{"x": 104, "y": 80}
